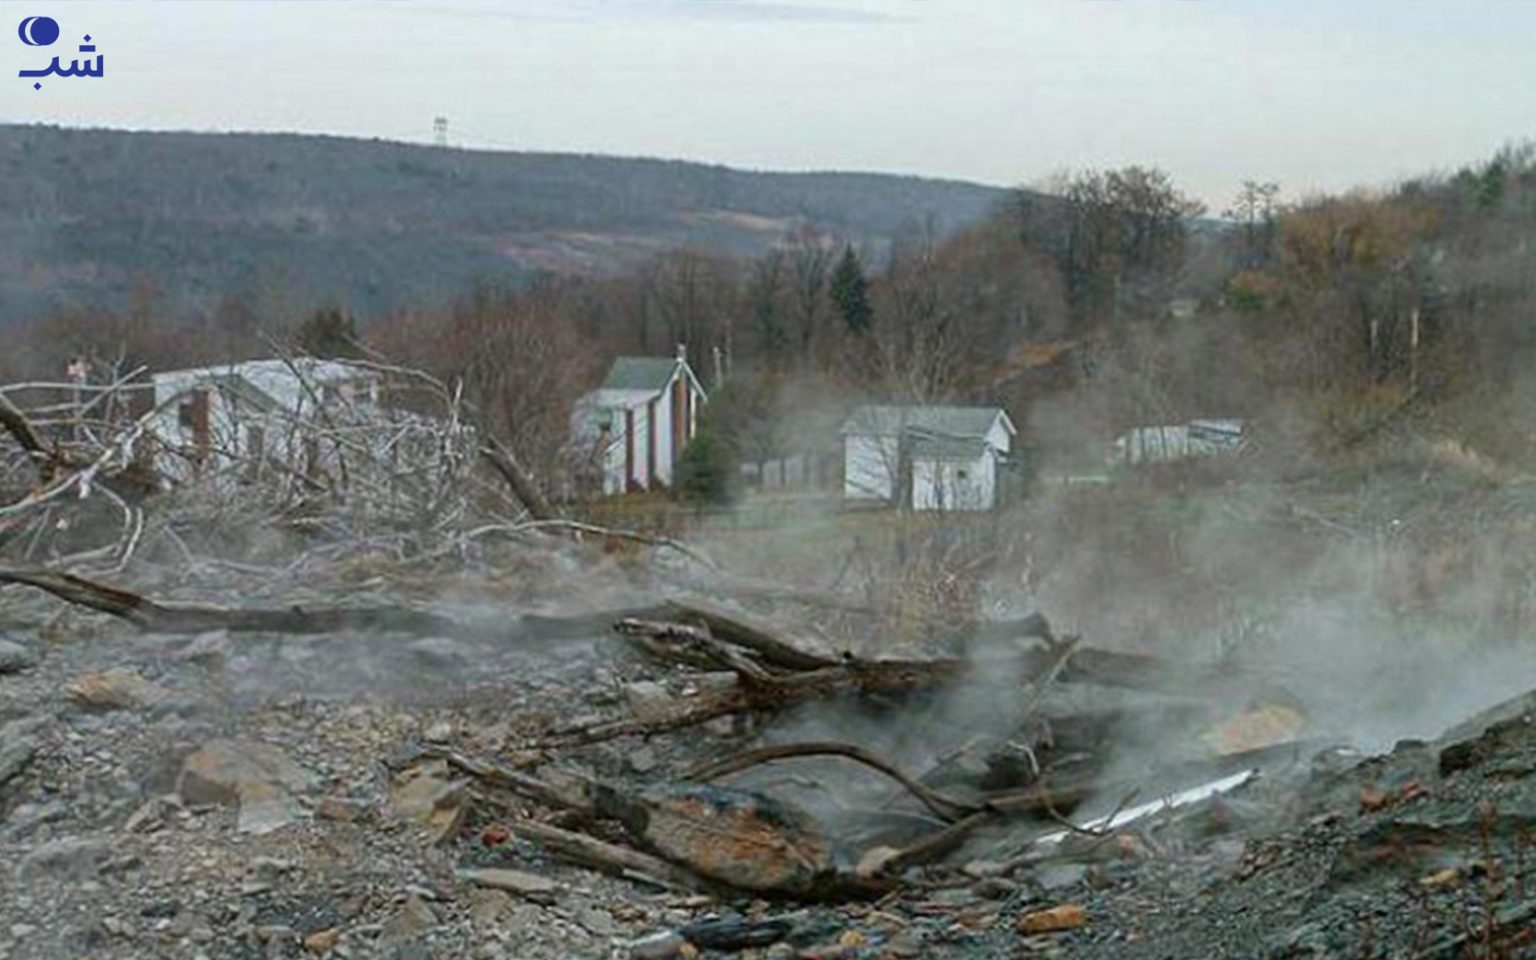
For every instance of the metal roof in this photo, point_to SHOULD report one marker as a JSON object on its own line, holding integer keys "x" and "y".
{"x": 641, "y": 373}
{"x": 939, "y": 421}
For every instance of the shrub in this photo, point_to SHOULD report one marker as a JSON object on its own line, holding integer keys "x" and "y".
{"x": 706, "y": 472}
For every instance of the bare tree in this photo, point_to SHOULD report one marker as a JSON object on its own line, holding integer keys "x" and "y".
{"x": 1256, "y": 213}
{"x": 811, "y": 256}
{"x": 765, "y": 288}
{"x": 1119, "y": 236}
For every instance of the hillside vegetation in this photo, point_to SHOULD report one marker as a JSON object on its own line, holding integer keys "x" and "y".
{"x": 90, "y": 217}
{"x": 1356, "y": 329}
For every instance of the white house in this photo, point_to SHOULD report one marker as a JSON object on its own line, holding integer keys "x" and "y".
{"x": 931, "y": 458}
{"x": 630, "y": 431}
{"x": 248, "y": 414}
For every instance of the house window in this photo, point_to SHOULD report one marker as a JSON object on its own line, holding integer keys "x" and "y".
{"x": 960, "y": 475}
{"x": 185, "y": 415}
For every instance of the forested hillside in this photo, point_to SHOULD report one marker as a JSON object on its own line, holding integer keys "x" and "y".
{"x": 1391, "y": 320}
{"x": 92, "y": 218}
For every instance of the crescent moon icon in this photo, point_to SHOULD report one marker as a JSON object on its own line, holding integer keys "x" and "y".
{"x": 38, "y": 31}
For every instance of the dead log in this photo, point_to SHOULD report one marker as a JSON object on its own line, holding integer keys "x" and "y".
{"x": 694, "y": 711}
{"x": 1067, "y": 661}
{"x": 746, "y": 631}
{"x": 722, "y": 838}
{"x": 165, "y": 617}
{"x": 759, "y": 692}
{"x": 945, "y": 808}
{"x": 609, "y": 858}
{"x": 26, "y": 436}
{"x": 576, "y": 799}
{"x": 732, "y": 626}
{"x": 933, "y": 847}
{"x": 771, "y": 683}
{"x": 693, "y": 646}
{"x": 505, "y": 462}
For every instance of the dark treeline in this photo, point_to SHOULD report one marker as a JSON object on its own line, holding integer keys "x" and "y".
{"x": 1103, "y": 302}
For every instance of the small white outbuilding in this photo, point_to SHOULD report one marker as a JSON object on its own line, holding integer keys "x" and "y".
{"x": 928, "y": 458}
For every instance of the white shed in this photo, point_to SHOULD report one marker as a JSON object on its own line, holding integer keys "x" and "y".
{"x": 630, "y": 431}
{"x": 931, "y": 458}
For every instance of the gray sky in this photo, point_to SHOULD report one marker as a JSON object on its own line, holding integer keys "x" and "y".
{"x": 1318, "y": 94}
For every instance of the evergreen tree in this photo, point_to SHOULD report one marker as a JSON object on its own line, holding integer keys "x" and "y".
{"x": 706, "y": 472}
{"x": 850, "y": 292}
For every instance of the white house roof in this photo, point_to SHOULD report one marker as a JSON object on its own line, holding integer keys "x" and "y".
{"x": 641, "y": 373}
{"x": 271, "y": 379}
{"x": 955, "y": 422}
{"x": 634, "y": 381}
{"x": 257, "y": 371}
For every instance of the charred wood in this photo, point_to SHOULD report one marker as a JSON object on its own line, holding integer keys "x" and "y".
{"x": 945, "y": 808}
{"x": 26, "y": 436}
{"x": 167, "y": 617}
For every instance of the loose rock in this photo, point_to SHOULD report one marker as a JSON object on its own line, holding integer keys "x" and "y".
{"x": 662, "y": 945}
{"x": 72, "y": 856}
{"x": 260, "y": 779}
{"x": 1068, "y": 916}
{"x": 15, "y": 658}
{"x": 523, "y": 884}
{"x": 116, "y": 689}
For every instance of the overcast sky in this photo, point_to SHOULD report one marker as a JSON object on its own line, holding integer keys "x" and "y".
{"x": 1317, "y": 94}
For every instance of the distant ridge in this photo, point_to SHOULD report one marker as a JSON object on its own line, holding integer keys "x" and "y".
{"x": 89, "y": 217}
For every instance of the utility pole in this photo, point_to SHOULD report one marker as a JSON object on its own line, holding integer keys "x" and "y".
{"x": 440, "y": 130}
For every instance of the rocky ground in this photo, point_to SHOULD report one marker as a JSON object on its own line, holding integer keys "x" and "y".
{"x": 234, "y": 795}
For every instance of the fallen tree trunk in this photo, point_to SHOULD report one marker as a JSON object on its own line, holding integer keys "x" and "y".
{"x": 748, "y": 632}
{"x": 609, "y": 858}
{"x": 681, "y": 619}
{"x": 945, "y": 808}
{"x": 762, "y": 689}
{"x": 733, "y": 626}
{"x": 1063, "y": 661}
{"x": 703, "y": 835}
{"x": 26, "y": 436}
{"x": 501, "y": 457}
{"x": 165, "y": 617}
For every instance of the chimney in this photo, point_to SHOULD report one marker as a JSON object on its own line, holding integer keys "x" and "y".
{"x": 682, "y": 352}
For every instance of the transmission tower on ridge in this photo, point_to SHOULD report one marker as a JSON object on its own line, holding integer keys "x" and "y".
{"x": 440, "y": 130}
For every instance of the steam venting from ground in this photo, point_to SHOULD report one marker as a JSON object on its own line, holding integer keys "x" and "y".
{"x": 1392, "y": 600}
